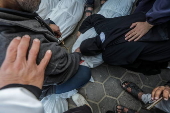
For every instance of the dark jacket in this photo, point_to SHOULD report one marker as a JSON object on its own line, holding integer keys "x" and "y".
{"x": 14, "y": 23}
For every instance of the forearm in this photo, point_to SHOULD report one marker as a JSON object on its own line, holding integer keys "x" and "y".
{"x": 160, "y": 12}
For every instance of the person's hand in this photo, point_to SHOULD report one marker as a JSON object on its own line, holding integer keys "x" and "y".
{"x": 138, "y": 31}
{"x": 56, "y": 30}
{"x": 17, "y": 68}
{"x": 161, "y": 91}
{"x": 78, "y": 50}
{"x": 78, "y": 34}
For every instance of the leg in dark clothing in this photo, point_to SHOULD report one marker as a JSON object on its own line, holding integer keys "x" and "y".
{"x": 144, "y": 5}
{"x": 82, "y": 76}
{"x": 80, "y": 79}
{"x": 82, "y": 109}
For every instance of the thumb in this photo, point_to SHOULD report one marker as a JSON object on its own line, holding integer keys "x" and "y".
{"x": 133, "y": 25}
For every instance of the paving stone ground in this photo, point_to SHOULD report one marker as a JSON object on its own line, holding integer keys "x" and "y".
{"x": 105, "y": 93}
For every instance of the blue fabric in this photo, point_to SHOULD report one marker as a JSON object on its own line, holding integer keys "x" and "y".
{"x": 144, "y": 6}
{"x": 90, "y": 2}
{"x": 79, "y": 80}
{"x": 157, "y": 11}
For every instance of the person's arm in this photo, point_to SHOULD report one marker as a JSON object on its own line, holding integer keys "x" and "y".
{"x": 159, "y": 13}
{"x": 21, "y": 78}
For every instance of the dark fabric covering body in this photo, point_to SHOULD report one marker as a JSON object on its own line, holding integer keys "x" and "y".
{"x": 152, "y": 47}
{"x": 81, "y": 109}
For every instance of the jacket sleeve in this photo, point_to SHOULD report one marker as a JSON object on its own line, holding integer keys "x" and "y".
{"x": 19, "y": 100}
{"x": 159, "y": 13}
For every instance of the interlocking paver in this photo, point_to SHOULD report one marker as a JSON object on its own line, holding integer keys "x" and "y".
{"x": 116, "y": 71}
{"x": 132, "y": 78}
{"x": 107, "y": 104}
{"x": 94, "y": 107}
{"x": 95, "y": 92}
{"x": 165, "y": 74}
{"x": 129, "y": 101}
{"x": 100, "y": 73}
{"x": 112, "y": 87}
{"x": 151, "y": 81}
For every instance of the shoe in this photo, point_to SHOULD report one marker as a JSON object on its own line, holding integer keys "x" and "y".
{"x": 79, "y": 100}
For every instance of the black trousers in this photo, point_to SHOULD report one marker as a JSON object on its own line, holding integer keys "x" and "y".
{"x": 81, "y": 109}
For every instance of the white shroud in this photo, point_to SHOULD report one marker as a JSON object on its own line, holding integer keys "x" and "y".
{"x": 64, "y": 13}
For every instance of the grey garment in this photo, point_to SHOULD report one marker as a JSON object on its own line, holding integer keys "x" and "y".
{"x": 163, "y": 105}
{"x": 13, "y": 23}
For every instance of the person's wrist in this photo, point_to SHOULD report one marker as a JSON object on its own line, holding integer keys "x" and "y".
{"x": 150, "y": 25}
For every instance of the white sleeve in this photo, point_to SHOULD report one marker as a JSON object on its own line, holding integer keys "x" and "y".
{"x": 19, "y": 100}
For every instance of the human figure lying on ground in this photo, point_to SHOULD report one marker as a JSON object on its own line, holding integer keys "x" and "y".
{"x": 17, "y": 18}
{"x": 64, "y": 13}
{"x": 147, "y": 55}
{"x": 21, "y": 79}
{"x": 110, "y": 9}
{"x": 157, "y": 93}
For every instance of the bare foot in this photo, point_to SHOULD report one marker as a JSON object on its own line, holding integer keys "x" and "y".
{"x": 121, "y": 109}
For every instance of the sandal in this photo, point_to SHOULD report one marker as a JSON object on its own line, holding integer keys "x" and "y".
{"x": 135, "y": 90}
{"x": 87, "y": 10}
{"x": 102, "y": 2}
{"x": 122, "y": 108}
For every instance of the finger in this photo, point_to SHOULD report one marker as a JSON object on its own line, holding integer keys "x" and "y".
{"x": 12, "y": 50}
{"x": 134, "y": 37}
{"x": 153, "y": 93}
{"x": 166, "y": 93}
{"x": 130, "y": 36}
{"x": 59, "y": 33}
{"x": 158, "y": 93}
{"x": 44, "y": 62}
{"x": 129, "y": 33}
{"x": 34, "y": 51}
{"x": 133, "y": 25}
{"x": 139, "y": 37}
{"x": 22, "y": 48}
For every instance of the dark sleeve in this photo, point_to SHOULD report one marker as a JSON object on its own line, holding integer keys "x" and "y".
{"x": 48, "y": 21}
{"x": 33, "y": 89}
{"x": 91, "y": 46}
{"x": 159, "y": 13}
{"x": 89, "y": 22}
